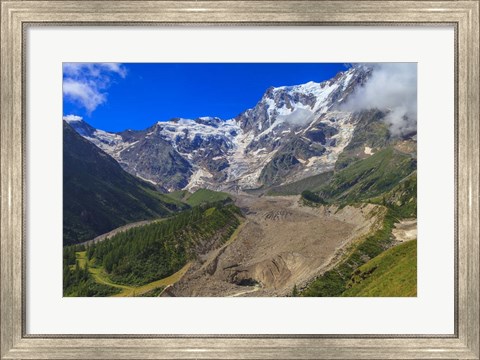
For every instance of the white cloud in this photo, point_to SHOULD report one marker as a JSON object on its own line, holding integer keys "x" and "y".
{"x": 72, "y": 118}
{"x": 299, "y": 117}
{"x": 116, "y": 68}
{"x": 391, "y": 87}
{"x": 89, "y": 97}
{"x": 93, "y": 69}
{"x": 86, "y": 83}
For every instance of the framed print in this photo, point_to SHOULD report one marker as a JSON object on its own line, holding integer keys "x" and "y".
{"x": 226, "y": 179}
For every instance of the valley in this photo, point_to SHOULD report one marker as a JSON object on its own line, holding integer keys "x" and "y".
{"x": 302, "y": 194}
{"x": 281, "y": 244}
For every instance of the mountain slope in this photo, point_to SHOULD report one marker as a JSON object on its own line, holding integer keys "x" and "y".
{"x": 98, "y": 195}
{"x": 392, "y": 273}
{"x": 370, "y": 177}
{"x": 370, "y": 135}
{"x": 311, "y": 183}
{"x": 292, "y": 132}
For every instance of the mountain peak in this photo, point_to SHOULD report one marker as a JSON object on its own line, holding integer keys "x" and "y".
{"x": 292, "y": 132}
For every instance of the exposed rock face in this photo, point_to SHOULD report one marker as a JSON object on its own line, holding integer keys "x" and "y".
{"x": 293, "y": 132}
{"x": 153, "y": 158}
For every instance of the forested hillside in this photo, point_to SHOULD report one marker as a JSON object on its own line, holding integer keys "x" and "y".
{"x": 151, "y": 252}
{"x": 98, "y": 195}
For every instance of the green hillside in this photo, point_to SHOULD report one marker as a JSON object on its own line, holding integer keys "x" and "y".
{"x": 204, "y": 196}
{"x": 98, "y": 195}
{"x": 402, "y": 199}
{"x": 179, "y": 195}
{"x": 369, "y": 177}
{"x": 392, "y": 273}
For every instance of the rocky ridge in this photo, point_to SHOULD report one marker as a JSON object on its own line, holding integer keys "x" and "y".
{"x": 293, "y": 132}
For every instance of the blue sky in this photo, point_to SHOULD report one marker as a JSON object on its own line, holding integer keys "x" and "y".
{"x": 115, "y": 97}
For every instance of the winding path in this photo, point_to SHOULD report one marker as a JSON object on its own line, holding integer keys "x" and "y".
{"x": 129, "y": 291}
{"x": 122, "y": 228}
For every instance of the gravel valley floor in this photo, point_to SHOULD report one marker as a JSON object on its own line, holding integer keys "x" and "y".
{"x": 280, "y": 244}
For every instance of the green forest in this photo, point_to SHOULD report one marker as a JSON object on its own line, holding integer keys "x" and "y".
{"x": 151, "y": 252}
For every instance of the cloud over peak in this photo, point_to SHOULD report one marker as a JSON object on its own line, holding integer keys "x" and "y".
{"x": 391, "y": 87}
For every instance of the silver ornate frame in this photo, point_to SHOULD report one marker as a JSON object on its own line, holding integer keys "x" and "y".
{"x": 17, "y": 15}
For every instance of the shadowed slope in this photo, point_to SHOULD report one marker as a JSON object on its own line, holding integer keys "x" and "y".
{"x": 98, "y": 195}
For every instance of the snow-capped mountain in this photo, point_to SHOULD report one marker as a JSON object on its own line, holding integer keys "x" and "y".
{"x": 292, "y": 132}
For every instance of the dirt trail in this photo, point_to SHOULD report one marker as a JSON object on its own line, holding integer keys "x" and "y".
{"x": 101, "y": 277}
{"x": 165, "y": 282}
{"x": 115, "y": 231}
{"x": 280, "y": 244}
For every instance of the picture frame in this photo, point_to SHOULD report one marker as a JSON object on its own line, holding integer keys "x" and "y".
{"x": 16, "y": 17}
